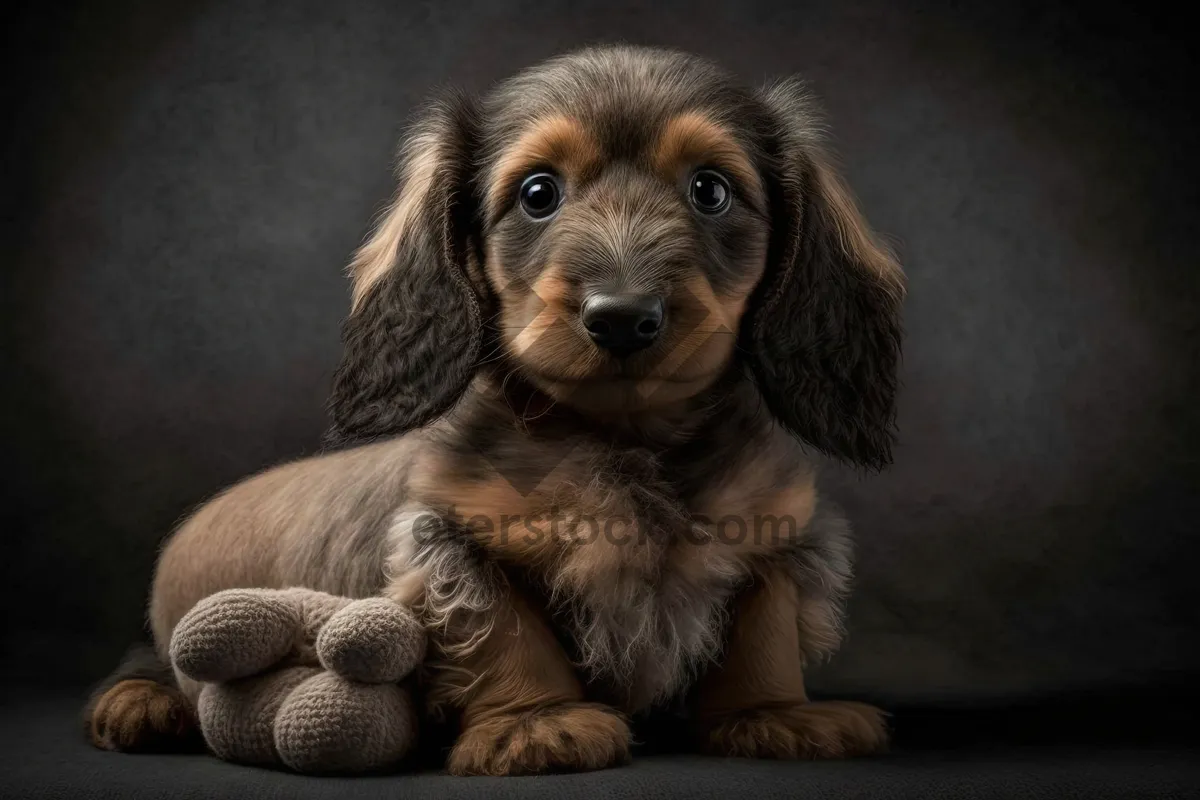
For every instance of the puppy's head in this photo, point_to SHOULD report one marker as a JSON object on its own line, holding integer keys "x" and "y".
{"x": 622, "y": 227}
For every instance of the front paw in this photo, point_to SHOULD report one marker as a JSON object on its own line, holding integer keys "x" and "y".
{"x": 832, "y": 729}
{"x": 565, "y": 738}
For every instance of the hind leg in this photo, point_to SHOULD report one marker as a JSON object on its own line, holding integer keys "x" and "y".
{"x": 141, "y": 715}
{"x": 139, "y": 708}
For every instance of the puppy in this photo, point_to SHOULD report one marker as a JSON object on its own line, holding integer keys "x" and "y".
{"x": 609, "y": 316}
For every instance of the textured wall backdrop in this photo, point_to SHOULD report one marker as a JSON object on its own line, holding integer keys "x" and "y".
{"x": 185, "y": 181}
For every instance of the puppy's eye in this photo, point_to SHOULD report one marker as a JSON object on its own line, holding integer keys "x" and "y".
{"x": 710, "y": 192}
{"x": 540, "y": 195}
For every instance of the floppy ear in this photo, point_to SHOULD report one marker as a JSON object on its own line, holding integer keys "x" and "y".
{"x": 414, "y": 333}
{"x": 824, "y": 329}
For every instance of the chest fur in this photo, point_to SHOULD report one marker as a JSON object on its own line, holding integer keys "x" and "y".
{"x": 649, "y": 609}
{"x": 638, "y": 566}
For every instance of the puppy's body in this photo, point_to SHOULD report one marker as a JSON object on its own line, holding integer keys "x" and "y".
{"x": 639, "y": 543}
{"x": 592, "y": 522}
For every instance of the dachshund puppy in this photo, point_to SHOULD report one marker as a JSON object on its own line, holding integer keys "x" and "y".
{"x": 612, "y": 312}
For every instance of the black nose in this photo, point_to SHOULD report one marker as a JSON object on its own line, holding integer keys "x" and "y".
{"x": 623, "y": 323}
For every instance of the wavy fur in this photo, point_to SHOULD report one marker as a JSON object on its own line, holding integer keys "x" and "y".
{"x": 589, "y": 535}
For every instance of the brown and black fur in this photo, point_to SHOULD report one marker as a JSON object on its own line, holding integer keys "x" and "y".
{"x": 590, "y": 537}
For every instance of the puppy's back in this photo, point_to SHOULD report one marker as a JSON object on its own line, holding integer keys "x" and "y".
{"x": 320, "y": 523}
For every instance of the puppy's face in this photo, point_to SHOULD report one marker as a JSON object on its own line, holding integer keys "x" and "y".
{"x": 623, "y": 237}
{"x": 621, "y": 226}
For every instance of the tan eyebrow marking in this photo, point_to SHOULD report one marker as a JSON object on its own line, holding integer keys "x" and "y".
{"x": 559, "y": 141}
{"x": 691, "y": 139}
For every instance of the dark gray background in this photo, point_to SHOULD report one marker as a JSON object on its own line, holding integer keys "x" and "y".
{"x": 185, "y": 181}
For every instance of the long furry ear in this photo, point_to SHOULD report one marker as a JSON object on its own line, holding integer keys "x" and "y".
{"x": 413, "y": 337}
{"x": 824, "y": 327}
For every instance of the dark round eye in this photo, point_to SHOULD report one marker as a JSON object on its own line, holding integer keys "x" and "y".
{"x": 710, "y": 192}
{"x": 540, "y": 196}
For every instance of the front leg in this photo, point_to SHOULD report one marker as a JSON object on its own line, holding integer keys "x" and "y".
{"x": 522, "y": 706}
{"x": 754, "y": 705}
{"x": 495, "y": 658}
